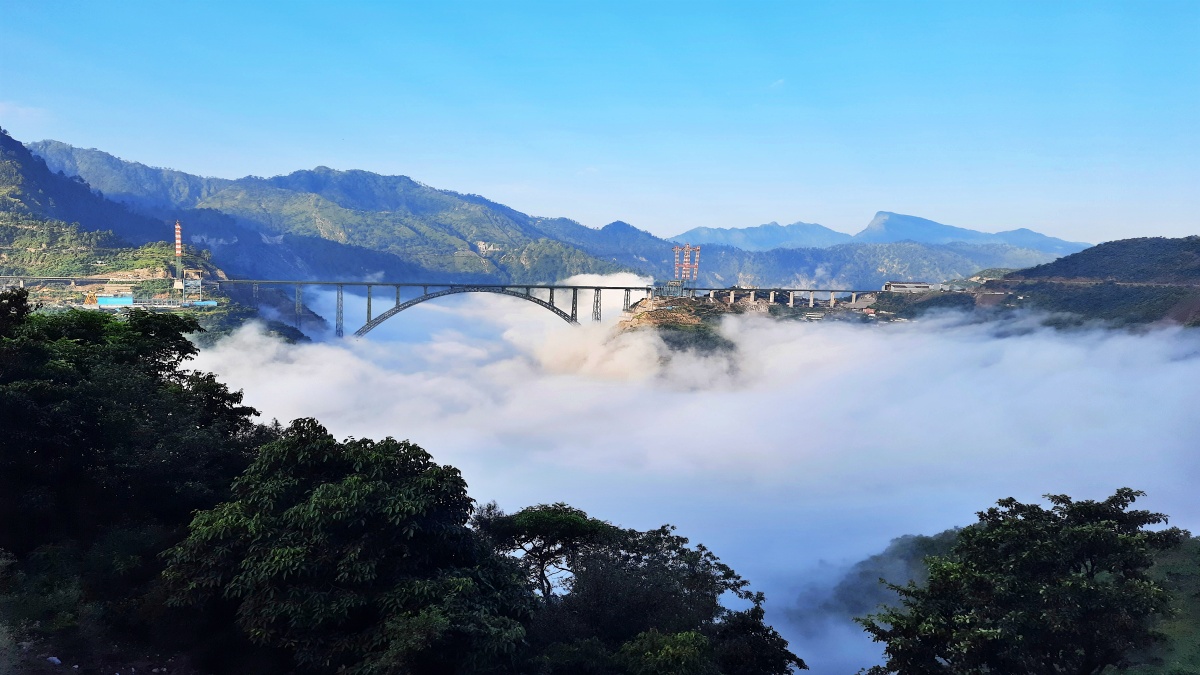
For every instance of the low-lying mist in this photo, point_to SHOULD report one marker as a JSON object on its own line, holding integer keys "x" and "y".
{"x": 808, "y": 448}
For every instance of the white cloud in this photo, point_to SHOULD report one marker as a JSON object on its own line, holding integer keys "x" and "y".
{"x": 809, "y": 448}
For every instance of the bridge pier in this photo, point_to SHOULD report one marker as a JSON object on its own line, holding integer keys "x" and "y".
{"x": 575, "y": 305}
{"x": 626, "y": 307}
{"x": 731, "y": 296}
{"x": 832, "y": 300}
{"x": 339, "y": 323}
{"x": 254, "y": 291}
{"x": 397, "y": 294}
{"x": 552, "y": 295}
{"x": 772, "y": 297}
{"x": 368, "y": 304}
{"x": 791, "y": 299}
{"x": 812, "y": 298}
{"x": 853, "y": 298}
{"x": 299, "y": 305}
{"x": 596, "y": 304}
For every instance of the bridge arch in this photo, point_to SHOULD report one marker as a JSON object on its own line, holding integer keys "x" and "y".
{"x": 393, "y": 311}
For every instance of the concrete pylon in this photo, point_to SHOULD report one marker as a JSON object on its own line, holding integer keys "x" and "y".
{"x": 812, "y": 298}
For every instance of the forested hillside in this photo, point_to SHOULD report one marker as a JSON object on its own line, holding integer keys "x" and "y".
{"x": 1157, "y": 260}
{"x": 30, "y": 191}
{"x": 453, "y": 236}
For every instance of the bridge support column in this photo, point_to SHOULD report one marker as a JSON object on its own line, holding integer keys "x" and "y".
{"x": 575, "y": 305}
{"x": 596, "y": 304}
{"x": 812, "y": 298}
{"x": 299, "y": 305}
{"x": 626, "y": 307}
{"x": 832, "y": 300}
{"x": 368, "y": 304}
{"x": 791, "y": 298}
{"x": 526, "y": 290}
{"x": 339, "y": 324}
{"x": 551, "y": 296}
{"x": 853, "y": 298}
{"x": 397, "y": 295}
{"x": 772, "y": 297}
{"x": 254, "y": 291}
{"x": 731, "y": 297}
{"x": 752, "y": 294}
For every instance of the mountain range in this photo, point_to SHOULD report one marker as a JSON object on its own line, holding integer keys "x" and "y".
{"x": 357, "y": 224}
{"x": 886, "y": 227}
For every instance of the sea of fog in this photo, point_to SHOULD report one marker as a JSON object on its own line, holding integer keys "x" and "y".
{"x": 807, "y": 449}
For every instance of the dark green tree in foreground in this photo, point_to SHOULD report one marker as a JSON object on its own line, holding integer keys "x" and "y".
{"x": 355, "y": 556}
{"x": 1057, "y": 591}
{"x": 627, "y": 602}
{"x": 550, "y": 539}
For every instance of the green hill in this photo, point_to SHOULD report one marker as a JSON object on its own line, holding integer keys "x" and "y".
{"x": 29, "y": 188}
{"x": 1143, "y": 260}
{"x": 447, "y": 235}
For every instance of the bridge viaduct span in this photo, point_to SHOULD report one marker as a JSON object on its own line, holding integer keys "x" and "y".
{"x": 547, "y": 296}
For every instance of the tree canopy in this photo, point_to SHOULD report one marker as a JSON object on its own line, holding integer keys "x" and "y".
{"x": 1055, "y": 591}
{"x": 355, "y": 556}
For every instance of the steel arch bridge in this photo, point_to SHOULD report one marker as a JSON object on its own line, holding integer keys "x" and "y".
{"x": 545, "y": 297}
{"x": 375, "y": 322}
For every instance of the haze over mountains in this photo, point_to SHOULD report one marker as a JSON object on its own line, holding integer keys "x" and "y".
{"x": 358, "y": 224}
{"x": 886, "y": 227}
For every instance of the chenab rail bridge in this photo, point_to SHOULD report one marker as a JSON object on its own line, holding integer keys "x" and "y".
{"x": 561, "y": 299}
{"x": 556, "y": 298}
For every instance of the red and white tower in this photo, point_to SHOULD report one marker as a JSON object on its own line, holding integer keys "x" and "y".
{"x": 178, "y": 256}
{"x": 687, "y": 269}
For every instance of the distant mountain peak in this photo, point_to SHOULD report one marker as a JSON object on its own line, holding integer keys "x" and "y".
{"x": 766, "y": 237}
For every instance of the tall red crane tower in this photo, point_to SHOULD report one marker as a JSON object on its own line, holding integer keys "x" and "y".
{"x": 687, "y": 269}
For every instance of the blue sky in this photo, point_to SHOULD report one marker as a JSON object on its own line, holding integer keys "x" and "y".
{"x": 1079, "y": 119}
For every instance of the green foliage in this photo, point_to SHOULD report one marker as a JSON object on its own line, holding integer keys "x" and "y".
{"x": 29, "y": 189}
{"x": 860, "y": 592}
{"x": 912, "y": 305}
{"x": 1143, "y": 260}
{"x": 1177, "y": 570}
{"x": 108, "y": 446}
{"x": 652, "y": 653}
{"x": 1109, "y": 302}
{"x": 102, "y": 425}
{"x": 1034, "y": 590}
{"x": 355, "y": 556}
{"x": 637, "y": 601}
{"x": 549, "y": 537}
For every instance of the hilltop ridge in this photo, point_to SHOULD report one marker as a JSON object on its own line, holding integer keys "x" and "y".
{"x": 885, "y": 228}
{"x": 358, "y": 224}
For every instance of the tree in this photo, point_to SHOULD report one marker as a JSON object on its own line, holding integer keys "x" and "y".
{"x": 1058, "y": 591}
{"x": 636, "y": 602}
{"x": 355, "y": 556}
{"x": 103, "y": 427}
{"x": 549, "y": 537}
